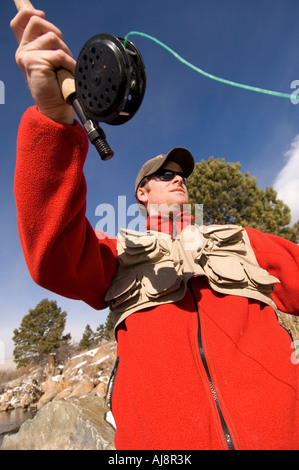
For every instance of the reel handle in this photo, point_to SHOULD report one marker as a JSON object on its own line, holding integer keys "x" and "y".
{"x": 67, "y": 86}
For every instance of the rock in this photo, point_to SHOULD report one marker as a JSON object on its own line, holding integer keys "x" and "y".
{"x": 100, "y": 389}
{"x": 6, "y": 397}
{"x": 63, "y": 394}
{"x": 87, "y": 372}
{"x": 46, "y": 397}
{"x": 26, "y": 401}
{"x": 4, "y": 406}
{"x": 23, "y": 391}
{"x": 82, "y": 389}
{"x": 74, "y": 424}
{"x": 20, "y": 397}
{"x": 53, "y": 382}
{"x": 78, "y": 389}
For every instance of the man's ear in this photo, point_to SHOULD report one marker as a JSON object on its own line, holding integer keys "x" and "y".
{"x": 142, "y": 195}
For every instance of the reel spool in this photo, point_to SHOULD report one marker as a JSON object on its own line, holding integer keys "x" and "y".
{"x": 110, "y": 79}
{"x": 110, "y": 82}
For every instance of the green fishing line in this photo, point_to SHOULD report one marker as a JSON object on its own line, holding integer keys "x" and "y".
{"x": 206, "y": 74}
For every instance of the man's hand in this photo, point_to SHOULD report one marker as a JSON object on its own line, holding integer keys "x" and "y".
{"x": 40, "y": 53}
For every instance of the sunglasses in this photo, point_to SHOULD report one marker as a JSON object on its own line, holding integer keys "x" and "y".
{"x": 164, "y": 175}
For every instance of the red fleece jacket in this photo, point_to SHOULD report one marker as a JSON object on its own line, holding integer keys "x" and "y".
{"x": 210, "y": 371}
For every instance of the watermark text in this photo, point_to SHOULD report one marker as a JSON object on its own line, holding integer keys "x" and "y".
{"x": 295, "y": 94}
{"x": 295, "y": 354}
{"x": 2, "y": 92}
{"x": 133, "y": 217}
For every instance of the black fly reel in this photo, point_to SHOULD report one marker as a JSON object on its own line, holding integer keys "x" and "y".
{"x": 110, "y": 79}
{"x": 110, "y": 83}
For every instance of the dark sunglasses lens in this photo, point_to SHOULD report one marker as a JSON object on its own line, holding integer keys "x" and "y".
{"x": 168, "y": 175}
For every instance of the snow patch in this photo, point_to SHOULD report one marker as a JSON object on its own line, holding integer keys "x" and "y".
{"x": 79, "y": 365}
{"x": 109, "y": 418}
{"x": 91, "y": 353}
{"x": 100, "y": 360}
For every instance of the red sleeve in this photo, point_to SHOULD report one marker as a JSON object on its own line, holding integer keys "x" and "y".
{"x": 60, "y": 247}
{"x": 280, "y": 258}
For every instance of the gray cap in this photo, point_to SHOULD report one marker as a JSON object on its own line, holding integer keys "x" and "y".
{"x": 179, "y": 155}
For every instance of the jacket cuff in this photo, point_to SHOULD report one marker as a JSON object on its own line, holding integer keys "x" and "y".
{"x": 35, "y": 126}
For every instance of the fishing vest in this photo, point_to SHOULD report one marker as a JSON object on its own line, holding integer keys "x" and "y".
{"x": 154, "y": 267}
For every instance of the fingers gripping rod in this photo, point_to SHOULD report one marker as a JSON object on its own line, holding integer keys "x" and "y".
{"x": 67, "y": 86}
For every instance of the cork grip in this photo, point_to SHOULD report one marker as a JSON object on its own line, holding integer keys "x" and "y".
{"x": 65, "y": 79}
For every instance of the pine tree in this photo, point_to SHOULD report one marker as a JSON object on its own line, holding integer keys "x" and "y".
{"x": 40, "y": 333}
{"x": 87, "y": 339}
{"x": 104, "y": 332}
{"x": 229, "y": 197}
{"x": 99, "y": 334}
{"x": 109, "y": 326}
{"x": 296, "y": 230}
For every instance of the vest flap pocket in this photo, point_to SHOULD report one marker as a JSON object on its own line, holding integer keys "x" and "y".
{"x": 261, "y": 278}
{"x": 146, "y": 243}
{"x": 228, "y": 234}
{"x": 139, "y": 250}
{"x": 227, "y": 269}
{"x": 160, "y": 279}
{"x": 122, "y": 289}
{"x": 223, "y": 232}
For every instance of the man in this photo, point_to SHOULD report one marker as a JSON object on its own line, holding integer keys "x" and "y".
{"x": 202, "y": 362}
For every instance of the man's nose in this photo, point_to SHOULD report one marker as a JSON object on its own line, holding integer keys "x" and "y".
{"x": 178, "y": 179}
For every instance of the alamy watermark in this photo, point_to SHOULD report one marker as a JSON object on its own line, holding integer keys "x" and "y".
{"x": 2, "y": 92}
{"x": 295, "y": 94}
{"x": 295, "y": 354}
{"x": 133, "y": 216}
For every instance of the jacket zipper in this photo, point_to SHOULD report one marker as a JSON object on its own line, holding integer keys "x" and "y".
{"x": 110, "y": 386}
{"x": 205, "y": 364}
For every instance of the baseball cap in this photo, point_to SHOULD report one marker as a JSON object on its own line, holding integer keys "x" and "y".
{"x": 179, "y": 155}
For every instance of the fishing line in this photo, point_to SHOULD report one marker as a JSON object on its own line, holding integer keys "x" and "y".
{"x": 206, "y": 74}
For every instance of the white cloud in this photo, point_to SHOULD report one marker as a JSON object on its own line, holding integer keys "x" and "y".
{"x": 287, "y": 181}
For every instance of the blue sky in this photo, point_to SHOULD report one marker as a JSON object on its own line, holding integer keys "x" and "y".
{"x": 256, "y": 43}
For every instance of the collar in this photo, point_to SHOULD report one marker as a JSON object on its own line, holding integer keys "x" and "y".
{"x": 165, "y": 224}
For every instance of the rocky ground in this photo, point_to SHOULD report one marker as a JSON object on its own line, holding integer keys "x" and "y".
{"x": 75, "y": 391}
